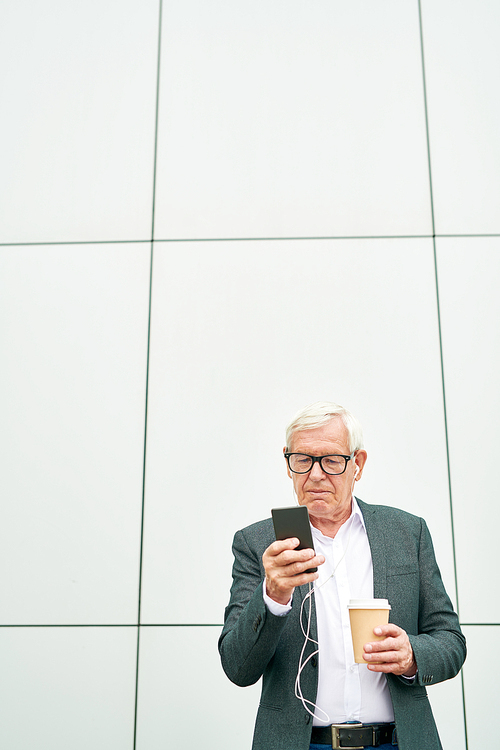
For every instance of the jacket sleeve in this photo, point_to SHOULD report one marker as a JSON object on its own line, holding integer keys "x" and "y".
{"x": 439, "y": 645}
{"x": 251, "y": 632}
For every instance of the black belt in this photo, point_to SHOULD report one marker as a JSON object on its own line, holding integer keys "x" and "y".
{"x": 353, "y": 735}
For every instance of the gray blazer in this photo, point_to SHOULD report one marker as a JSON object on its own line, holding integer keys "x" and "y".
{"x": 255, "y": 643}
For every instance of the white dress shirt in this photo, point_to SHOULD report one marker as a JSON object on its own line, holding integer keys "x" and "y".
{"x": 346, "y": 691}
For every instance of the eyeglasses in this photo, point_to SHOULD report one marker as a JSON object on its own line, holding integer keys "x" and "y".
{"x": 301, "y": 463}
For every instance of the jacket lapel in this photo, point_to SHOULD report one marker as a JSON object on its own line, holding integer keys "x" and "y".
{"x": 377, "y": 539}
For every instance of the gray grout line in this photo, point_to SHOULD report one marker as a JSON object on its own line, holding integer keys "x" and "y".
{"x": 247, "y": 239}
{"x": 301, "y": 237}
{"x": 75, "y": 242}
{"x": 136, "y": 702}
{"x": 441, "y": 350}
{"x": 138, "y": 624}
{"x": 184, "y": 625}
{"x": 443, "y": 387}
{"x": 121, "y": 625}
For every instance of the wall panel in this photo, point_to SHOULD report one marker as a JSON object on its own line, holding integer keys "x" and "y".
{"x": 462, "y": 62}
{"x": 448, "y": 708}
{"x": 469, "y": 270}
{"x": 67, "y": 687}
{"x": 79, "y": 98}
{"x": 481, "y": 694}
{"x": 185, "y": 699}
{"x": 289, "y": 119}
{"x": 74, "y": 321}
{"x": 245, "y": 334}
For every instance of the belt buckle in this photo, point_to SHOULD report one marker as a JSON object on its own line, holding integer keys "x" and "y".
{"x": 336, "y": 736}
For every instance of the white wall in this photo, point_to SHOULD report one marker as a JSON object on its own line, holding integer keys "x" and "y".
{"x": 291, "y": 206}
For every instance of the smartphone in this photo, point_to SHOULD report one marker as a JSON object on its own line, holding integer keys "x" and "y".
{"x": 294, "y": 522}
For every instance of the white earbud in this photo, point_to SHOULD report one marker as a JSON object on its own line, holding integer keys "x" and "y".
{"x": 357, "y": 471}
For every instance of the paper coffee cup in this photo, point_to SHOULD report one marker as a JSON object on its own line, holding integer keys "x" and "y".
{"x": 365, "y": 615}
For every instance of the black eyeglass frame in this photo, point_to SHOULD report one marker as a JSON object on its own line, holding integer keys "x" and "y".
{"x": 319, "y": 459}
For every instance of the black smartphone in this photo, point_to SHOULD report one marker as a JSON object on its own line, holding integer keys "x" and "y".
{"x": 294, "y": 522}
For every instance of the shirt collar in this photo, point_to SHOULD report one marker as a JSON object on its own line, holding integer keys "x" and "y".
{"x": 356, "y": 517}
{"x": 356, "y": 511}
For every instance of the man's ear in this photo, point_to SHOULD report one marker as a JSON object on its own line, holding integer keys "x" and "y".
{"x": 285, "y": 450}
{"x": 360, "y": 461}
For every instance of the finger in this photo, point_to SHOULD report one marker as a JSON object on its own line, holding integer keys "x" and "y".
{"x": 396, "y": 666}
{"x": 382, "y": 656}
{"x": 296, "y": 554}
{"x": 279, "y": 553}
{"x": 388, "y": 644}
{"x": 302, "y": 555}
{"x": 388, "y": 630}
{"x": 303, "y": 566}
{"x": 283, "y": 585}
{"x": 386, "y": 667}
{"x": 276, "y": 548}
{"x": 293, "y": 569}
{"x": 299, "y": 579}
{"x": 301, "y": 559}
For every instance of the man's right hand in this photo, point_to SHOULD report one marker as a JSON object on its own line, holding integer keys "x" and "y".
{"x": 285, "y": 568}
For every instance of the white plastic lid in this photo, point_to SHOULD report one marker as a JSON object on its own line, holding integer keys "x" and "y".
{"x": 369, "y": 604}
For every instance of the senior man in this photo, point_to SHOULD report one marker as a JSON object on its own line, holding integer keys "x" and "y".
{"x": 291, "y": 626}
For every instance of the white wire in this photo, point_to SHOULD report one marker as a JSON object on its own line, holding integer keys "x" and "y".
{"x": 305, "y": 633}
{"x": 302, "y": 664}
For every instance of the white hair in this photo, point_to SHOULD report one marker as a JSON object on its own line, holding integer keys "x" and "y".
{"x": 319, "y": 414}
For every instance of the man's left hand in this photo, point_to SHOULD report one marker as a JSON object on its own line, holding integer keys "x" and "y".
{"x": 394, "y": 653}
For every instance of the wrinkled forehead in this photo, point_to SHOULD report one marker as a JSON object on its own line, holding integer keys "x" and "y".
{"x": 332, "y": 437}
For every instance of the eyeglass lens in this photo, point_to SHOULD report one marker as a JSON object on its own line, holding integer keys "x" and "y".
{"x": 300, "y": 463}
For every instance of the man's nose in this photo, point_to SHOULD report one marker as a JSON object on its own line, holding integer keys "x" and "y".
{"x": 316, "y": 471}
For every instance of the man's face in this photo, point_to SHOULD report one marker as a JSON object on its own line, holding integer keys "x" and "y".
{"x": 326, "y": 496}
